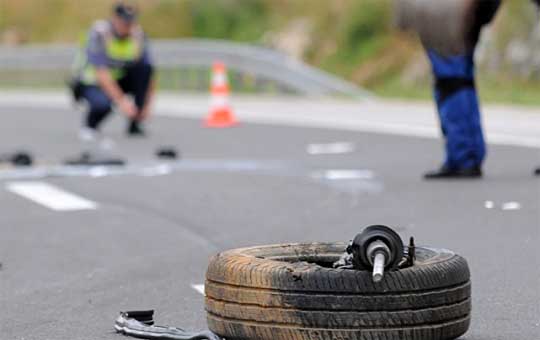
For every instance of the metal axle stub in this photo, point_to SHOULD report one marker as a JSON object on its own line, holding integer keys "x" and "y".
{"x": 378, "y": 267}
{"x": 378, "y": 248}
{"x": 378, "y": 254}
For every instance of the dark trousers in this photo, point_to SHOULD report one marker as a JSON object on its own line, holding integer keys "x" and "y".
{"x": 136, "y": 81}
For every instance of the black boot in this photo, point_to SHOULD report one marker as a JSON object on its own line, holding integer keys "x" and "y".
{"x": 449, "y": 173}
{"x": 135, "y": 129}
{"x": 537, "y": 172}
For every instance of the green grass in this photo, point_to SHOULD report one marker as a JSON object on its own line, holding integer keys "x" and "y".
{"x": 493, "y": 91}
{"x": 510, "y": 91}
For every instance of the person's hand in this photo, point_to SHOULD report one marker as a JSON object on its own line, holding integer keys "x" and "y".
{"x": 126, "y": 106}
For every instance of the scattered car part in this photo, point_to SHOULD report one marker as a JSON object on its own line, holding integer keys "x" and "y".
{"x": 292, "y": 292}
{"x": 377, "y": 248}
{"x": 91, "y": 159}
{"x": 18, "y": 159}
{"x": 409, "y": 256}
{"x": 140, "y": 324}
{"x": 167, "y": 153}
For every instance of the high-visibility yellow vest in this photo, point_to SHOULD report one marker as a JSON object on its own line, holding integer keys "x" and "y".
{"x": 121, "y": 52}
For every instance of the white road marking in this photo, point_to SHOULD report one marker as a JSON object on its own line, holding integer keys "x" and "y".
{"x": 50, "y": 196}
{"x": 99, "y": 171}
{"x": 160, "y": 170}
{"x": 336, "y": 175}
{"x": 489, "y": 204}
{"x": 199, "y": 288}
{"x": 511, "y": 206}
{"x": 505, "y": 125}
{"x": 150, "y": 169}
{"x": 331, "y": 148}
{"x": 384, "y": 117}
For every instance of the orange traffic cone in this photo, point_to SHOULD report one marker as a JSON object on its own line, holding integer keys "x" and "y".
{"x": 221, "y": 115}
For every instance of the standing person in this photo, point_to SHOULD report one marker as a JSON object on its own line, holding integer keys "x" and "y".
{"x": 450, "y": 31}
{"x": 115, "y": 69}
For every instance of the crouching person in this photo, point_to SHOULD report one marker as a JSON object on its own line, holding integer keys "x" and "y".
{"x": 115, "y": 70}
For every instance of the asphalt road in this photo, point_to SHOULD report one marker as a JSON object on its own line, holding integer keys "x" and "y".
{"x": 66, "y": 274}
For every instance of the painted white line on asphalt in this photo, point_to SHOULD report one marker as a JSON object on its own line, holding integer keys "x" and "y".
{"x": 505, "y": 125}
{"x": 199, "y": 288}
{"x": 160, "y": 170}
{"x": 337, "y": 175}
{"x": 99, "y": 171}
{"x": 347, "y": 123}
{"x": 511, "y": 206}
{"x": 330, "y": 148}
{"x": 50, "y": 196}
{"x": 489, "y": 204}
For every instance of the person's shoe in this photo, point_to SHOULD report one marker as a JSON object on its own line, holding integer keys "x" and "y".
{"x": 449, "y": 173}
{"x": 135, "y": 130}
{"x": 537, "y": 172}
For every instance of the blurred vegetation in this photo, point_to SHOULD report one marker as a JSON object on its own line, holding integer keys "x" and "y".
{"x": 351, "y": 38}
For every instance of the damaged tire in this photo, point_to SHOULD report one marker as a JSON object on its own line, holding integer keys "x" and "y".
{"x": 291, "y": 292}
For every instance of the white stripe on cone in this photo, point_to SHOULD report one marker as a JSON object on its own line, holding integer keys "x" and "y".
{"x": 219, "y": 101}
{"x": 220, "y": 79}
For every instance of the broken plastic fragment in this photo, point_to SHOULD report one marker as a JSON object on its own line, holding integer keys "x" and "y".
{"x": 140, "y": 324}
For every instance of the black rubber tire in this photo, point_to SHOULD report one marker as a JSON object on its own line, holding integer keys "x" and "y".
{"x": 290, "y": 292}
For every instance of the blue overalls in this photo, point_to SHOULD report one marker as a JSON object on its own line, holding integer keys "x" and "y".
{"x": 459, "y": 111}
